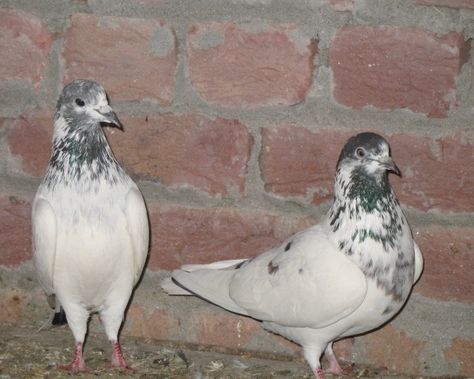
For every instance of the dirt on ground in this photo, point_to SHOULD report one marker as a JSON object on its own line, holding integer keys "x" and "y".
{"x": 26, "y": 352}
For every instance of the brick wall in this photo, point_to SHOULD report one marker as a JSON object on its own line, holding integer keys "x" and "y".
{"x": 234, "y": 114}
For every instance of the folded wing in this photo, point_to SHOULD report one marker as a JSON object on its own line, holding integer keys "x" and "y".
{"x": 306, "y": 282}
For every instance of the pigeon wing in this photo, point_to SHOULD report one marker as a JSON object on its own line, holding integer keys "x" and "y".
{"x": 138, "y": 229}
{"x": 44, "y": 243}
{"x": 307, "y": 282}
{"x": 418, "y": 263}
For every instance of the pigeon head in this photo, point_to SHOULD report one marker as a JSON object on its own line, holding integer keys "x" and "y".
{"x": 368, "y": 154}
{"x": 83, "y": 103}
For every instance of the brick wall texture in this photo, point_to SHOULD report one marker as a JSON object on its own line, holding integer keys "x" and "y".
{"x": 234, "y": 114}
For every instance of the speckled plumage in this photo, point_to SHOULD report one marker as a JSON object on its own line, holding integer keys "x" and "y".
{"x": 90, "y": 226}
{"x": 347, "y": 275}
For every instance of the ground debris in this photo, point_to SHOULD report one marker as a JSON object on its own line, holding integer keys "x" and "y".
{"x": 26, "y": 352}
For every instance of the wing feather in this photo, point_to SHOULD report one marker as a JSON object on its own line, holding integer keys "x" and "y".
{"x": 306, "y": 282}
{"x": 418, "y": 263}
{"x": 138, "y": 229}
{"x": 312, "y": 284}
{"x": 44, "y": 243}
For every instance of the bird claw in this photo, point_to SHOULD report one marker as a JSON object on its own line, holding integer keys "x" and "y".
{"x": 346, "y": 371}
{"x": 74, "y": 367}
{"x": 118, "y": 361}
{"x": 77, "y": 365}
{"x": 319, "y": 373}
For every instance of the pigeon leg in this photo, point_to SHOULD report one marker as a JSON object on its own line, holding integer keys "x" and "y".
{"x": 112, "y": 319}
{"x": 118, "y": 361}
{"x": 312, "y": 355}
{"x": 77, "y": 320}
{"x": 77, "y": 365}
{"x": 334, "y": 366}
{"x": 319, "y": 373}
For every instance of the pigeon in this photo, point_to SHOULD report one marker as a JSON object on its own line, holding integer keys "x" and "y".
{"x": 347, "y": 275}
{"x": 90, "y": 223}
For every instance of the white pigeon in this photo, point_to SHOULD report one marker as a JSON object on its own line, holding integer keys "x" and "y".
{"x": 90, "y": 224}
{"x": 347, "y": 275}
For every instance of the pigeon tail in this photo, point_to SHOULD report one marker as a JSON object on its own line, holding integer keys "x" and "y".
{"x": 211, "y": 285}
{"x": 59, "y": 318}
{"x": 171, "y": 287}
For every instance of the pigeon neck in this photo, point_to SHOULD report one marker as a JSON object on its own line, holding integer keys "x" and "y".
{"x": 81, "y": 153}
{"x": 360, "y": 197}
{"x": 367, "y": 224}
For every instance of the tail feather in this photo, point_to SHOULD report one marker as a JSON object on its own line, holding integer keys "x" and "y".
{"x": 213, "y": 266}
{"x": 59, "y": 318}
{"x": 212, "y": 285}
{"x": 171, "y": 288}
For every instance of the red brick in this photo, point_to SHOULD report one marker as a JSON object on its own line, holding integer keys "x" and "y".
{"x": 298, "y": 162}
{"x": 194, "y": 235}
{"x": 24, "y": 47}
{"x": 449, "y": 263}
{"x": 15, "y": 230}
{"x": 149, "y": 322}
{"x": 342, "y": 5}
{"x": 30, "y": 139}
{"x": 392, "y": 67}
{"x": 393, "y": 348}
{"x": 134, "y": 59}
{"x": 460, "y": 355}
{"x": 186, "y": 150}
{"x": 448, "y": 3}
{"x": 249, "y": 65}
{"x": 436, "y": 172}
{"x": 225, "y": 329}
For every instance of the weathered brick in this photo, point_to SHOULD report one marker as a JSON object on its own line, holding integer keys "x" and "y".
{"x": 449, "y": 263}
{"x": 15, "y": 230}
{"x": 24, "y": 47}
{"x": 436, "y": 173}
{"x": 149, "y": 322}
{"x": 250, "y": 65}
{"x": 225, "y": 329}
{"x": 134, "y": 59}
{"x": 448, "y": 3}
{"x": 193, "y": 235}
{"x": 459, "y": 354}
{"x": 342, "y": 5}
{"x": 29, "y": 138}
{"x": 296, "y": 162}
{"x": 391, "y": 67}
{"x": 186, "y": 150}
{"x": 393, "y": 348}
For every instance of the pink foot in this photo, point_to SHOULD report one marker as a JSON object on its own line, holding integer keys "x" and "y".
{"x": 319, "y": 373}
{"x": 334, "y": 366}
{"x": 118, "y": 360}
{"x": 77, "y": 365}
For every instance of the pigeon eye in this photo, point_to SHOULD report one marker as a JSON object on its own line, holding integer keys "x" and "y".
{"x": 80, "y": 102}
{"x": 360, "y": 152}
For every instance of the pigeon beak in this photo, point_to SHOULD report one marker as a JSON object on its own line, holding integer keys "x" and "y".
{"x": 109, "y": 116}
{"x": 390, "y": 165}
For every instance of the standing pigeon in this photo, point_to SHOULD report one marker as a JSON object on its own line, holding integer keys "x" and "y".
{"x": 90, "y": 224}
{"x": 347, "y": 275}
